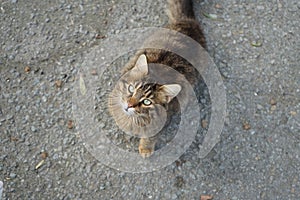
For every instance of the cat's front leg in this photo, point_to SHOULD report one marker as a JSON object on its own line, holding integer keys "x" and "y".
{"x": 146, "y": 147}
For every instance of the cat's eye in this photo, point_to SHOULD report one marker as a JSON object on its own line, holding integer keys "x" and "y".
{"x": 147, "y": 102}
{"x": 131, "y": 88}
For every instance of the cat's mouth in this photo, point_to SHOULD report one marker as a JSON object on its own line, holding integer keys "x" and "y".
{"x": 129, "y": 110}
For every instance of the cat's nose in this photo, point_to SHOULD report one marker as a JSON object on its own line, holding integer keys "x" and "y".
{"x": 129, "y": 105}
{"x": 132, "y": 102}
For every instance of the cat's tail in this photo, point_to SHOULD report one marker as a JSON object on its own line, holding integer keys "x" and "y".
{"x": 180, "y": 10}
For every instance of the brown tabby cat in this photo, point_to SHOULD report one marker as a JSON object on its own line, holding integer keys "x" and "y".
{"x": 137, "y": 104}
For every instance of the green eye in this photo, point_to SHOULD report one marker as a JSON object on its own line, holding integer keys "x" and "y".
{"x": 147, "y": 102}
{"x": 131, "y": 88}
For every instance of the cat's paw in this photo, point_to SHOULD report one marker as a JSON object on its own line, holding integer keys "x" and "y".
{"x": 146, "y": 152}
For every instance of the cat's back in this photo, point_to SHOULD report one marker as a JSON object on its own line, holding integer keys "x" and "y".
{"x": 182, "y": 20}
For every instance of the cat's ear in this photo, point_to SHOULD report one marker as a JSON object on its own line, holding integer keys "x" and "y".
{"x": 141, "y": 64}
{"x": 169, "y": 91}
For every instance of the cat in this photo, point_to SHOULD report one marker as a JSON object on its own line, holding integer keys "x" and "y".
{"x": 136, "y": 103}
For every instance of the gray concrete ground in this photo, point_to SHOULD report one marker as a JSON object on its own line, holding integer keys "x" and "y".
{"x": 255, "y": 45}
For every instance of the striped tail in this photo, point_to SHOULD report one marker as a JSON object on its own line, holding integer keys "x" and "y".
{"x": 180, "y": 10}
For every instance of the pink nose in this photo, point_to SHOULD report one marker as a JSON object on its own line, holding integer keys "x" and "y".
{"x": 130, "y": 105}
{"x": 132, "y": 102}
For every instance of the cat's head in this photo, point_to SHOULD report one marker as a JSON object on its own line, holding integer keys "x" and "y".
{"x": 136, "y": 102}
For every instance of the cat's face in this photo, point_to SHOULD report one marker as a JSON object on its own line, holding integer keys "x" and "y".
{"x": 136, "y": 104}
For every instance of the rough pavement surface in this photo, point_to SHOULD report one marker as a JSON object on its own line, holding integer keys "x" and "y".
{"x": 255, "y": 45}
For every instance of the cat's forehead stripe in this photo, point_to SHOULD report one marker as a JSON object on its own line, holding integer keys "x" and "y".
{"x": 148, "y": 95}
{"x": 148, "y": 88}
{"x": 139, "y": 85}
